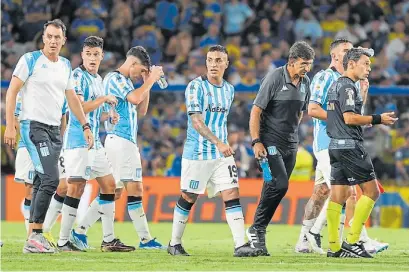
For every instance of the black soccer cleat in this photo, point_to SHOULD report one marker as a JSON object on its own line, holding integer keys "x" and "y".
{"x": 258, "y": 239}
{"x": 69, "y": 247}
{"x": 339, "y": 254}
{"x": 116, "y": 246}
{"x": 177, "y": 250}
{"x": 357, "y": 250}
{"x": 247, "y": 250}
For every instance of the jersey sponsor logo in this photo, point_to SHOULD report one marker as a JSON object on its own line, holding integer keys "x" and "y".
{"x": 209, "y": 94}
{"x": 194, "y": 184}
{"x": 350, "y": 100}
{"x": 216, "y": 109}
{"x": 272, "y": 150}
{"x": 44, "y": 65}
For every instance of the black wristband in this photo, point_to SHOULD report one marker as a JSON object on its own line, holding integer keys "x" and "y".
{"x": 376, "y": 119}
{"x": 255, "y": 141}
{"x": 86, "y": 126}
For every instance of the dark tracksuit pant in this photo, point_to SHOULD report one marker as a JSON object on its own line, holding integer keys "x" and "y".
{"x": 281, "y": 164}
{"x": 44, "y": 144}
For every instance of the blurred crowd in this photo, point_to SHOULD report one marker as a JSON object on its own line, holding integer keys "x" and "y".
{"x": 257, "y": 35}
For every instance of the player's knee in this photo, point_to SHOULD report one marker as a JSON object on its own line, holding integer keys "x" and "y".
{"x": 108, "y": 187}
{"x": 373, "y": 194}
{"x": 230, "y": 194}
{"x": 62, "y": 189}
{"x": 189, "y": 197}
{"x": 76, "y": 189}
{"x": 48, "y": 187}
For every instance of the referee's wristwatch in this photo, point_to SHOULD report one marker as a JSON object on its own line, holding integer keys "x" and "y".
{"x": 255, "y": 141}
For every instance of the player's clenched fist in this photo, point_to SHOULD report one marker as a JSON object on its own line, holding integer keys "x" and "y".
{"x": 388, "y": 118}
{"x": 225, "y": 149}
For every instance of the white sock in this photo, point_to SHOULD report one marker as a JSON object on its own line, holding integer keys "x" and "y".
{"x": 53, "y": 212}
{"x": 235, "y": 219}
{"x": 180, "y": 217}
{"x": 306, "y": 226}
{"x": 69, "y": 214}
{"x": 138, "y": 217}
{"x": 107, "y": 205}
{"x": 321, "y": 219}
{"x": 342, "y": 224}
{"x": 92, "y": 216}
{"x": 26, "y": 214}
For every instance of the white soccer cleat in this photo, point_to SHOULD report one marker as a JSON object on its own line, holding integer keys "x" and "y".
{"x": 302, "y": 246}
{"x": 374, "y": 246}
{"x": 315, "y": 242}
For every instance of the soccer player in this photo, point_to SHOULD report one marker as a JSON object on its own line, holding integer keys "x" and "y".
{"x": 208, "y": 161}
{"x": 82, "y": 164}
{"x": 121, "y": 143}
{"x": 277, "y": 111}
{"x": 44, "y": 79}
{"x": 315, "y": 210}
{"x": 24, "y": 167}
{"x": 350, "y": 163}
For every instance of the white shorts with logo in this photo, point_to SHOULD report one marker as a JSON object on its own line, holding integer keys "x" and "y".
{"x": 323, "y": 168}
{"x": 86, "y": 164}
{"x": 125, "y": 160}
{"x": 214, "y": 175}
{"x": 61, "y": 165}
{"x": 24, "y": 167}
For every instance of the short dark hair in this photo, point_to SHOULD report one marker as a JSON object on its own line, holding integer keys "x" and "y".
{"x": 354, "y": 54}
{"x": 337, "y": 42}
{"x": 301, "y": 49}
{"x": 140, "y": 53}
{"x": 94, "y": 41}
{"x": 57, "y": 23}
{"x": 218, "y": 48}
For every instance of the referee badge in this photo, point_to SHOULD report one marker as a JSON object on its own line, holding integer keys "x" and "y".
{"x": 272, "y": 150}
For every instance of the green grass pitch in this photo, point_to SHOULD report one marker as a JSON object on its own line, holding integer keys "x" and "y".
{"x": 210, "y": 245}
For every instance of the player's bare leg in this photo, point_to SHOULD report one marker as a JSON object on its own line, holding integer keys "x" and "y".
{"x": 138, "y": 216}
{"x": 312, "y": 211}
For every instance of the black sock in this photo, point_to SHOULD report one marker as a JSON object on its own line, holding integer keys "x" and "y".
{"x": 38, "y": 230}
{"x": 59, "y": 198}
{"x": 184, "y": 205}
{"x": 27, "y": 202}
{"x": 72, "y": 202}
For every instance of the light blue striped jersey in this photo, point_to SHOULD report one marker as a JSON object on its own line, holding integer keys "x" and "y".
{"x": 213, "y": 103}
{"x": 17, "y": 113}
{"x": 320, "y": 85}
{"x": 90, "y": 87}
{"x": 118, "y": 85}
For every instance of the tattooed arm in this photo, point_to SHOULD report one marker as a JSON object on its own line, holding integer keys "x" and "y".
{"x": 202, "y": 129}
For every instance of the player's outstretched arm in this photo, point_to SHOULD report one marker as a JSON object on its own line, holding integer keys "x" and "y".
{"x": 11, "y": 97}
{"x": 138, "y": 95}
{"x": 202, "y": 129}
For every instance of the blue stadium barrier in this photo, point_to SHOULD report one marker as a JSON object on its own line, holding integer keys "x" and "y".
{"x": 373, "y": 90}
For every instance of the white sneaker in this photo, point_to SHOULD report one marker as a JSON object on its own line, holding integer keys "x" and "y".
{"x": 374, "y": 246}
{"x": 315, "y": 242}
{"x": 302, "y": 246}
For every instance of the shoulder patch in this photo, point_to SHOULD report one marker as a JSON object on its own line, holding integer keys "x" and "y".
{"x": 350, "y": 97}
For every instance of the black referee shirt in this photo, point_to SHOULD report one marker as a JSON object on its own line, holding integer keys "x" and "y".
{"x": 282, "y": 103}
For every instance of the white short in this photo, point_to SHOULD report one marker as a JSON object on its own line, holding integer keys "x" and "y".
{"x": 125, "y": 160}
{"x": 323, "y": 169}
{"x": 61, "y": 166}
{"x": 86, "y": 164}
{"x": 24, "y": 167}
{"x": 215, "y": 175}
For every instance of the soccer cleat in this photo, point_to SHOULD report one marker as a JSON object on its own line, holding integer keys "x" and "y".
{"x": 257, "y": 239}
{"x": 373, "y": 246}
{"x": 302, "y": 246}
{"x": 247, "y": 250}
{"x": 115, "y": 246}
{"x": 36, "y": 243}
{"x": 69, "y": 247}
{"x": 79, "y": 240}
{"x": 152, "y": 244}
{"x": 315, "y": 242}
{"x": 49, "y": 237}
{"x": 340, "y": 254}
{"x": 357, "y": 250}
{"x": 177, "y": 250}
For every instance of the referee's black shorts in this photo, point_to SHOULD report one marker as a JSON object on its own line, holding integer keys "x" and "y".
{"x": 351, "y": 166}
